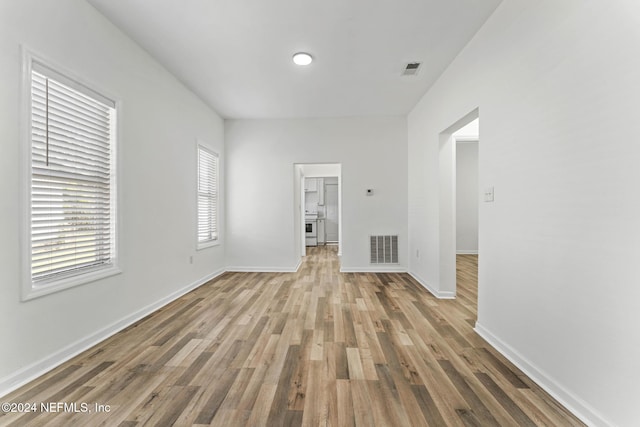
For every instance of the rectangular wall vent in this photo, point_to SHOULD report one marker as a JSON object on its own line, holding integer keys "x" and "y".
{"x": 384, "y": 249}
{"x": 411, "y": 69}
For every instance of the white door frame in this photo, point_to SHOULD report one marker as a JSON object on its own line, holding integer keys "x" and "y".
{"x": 303, "y": 249}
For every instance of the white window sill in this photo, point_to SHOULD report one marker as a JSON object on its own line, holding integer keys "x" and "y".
{"x": 207, "y": 244}
{"x": 31, "y": 291}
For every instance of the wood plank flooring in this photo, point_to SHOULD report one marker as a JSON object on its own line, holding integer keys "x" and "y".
{"x": 311, "y": 348}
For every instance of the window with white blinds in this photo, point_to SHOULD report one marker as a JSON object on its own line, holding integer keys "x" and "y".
{"x": 72, "y": 203}
{"x": 207, "y": 197}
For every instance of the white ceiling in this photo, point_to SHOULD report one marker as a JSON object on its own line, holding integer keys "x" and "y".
{"x": 236, "y": 54}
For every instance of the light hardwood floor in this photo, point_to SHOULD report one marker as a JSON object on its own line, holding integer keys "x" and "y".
{"x": 310, "y": 348}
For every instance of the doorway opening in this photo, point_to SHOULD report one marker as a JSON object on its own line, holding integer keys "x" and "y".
{"x": 467, "y": 209}
{"x": 318, "y": 204}
{"x": 459, "y": 202}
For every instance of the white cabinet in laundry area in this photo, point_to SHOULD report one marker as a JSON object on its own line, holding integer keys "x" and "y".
{"x": 310, "y": 184}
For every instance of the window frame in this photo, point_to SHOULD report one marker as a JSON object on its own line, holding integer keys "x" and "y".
{"x": 216, "y": 241}
{"x": 29, "y": 289}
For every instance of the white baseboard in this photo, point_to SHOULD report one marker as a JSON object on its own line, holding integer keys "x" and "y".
{"x": 577, "y": 406}
{"x": 376, "y": 269}
{"x": 466, "y": 252}
{"x": 34, "y": 370}
{"x": 435, "y": 293}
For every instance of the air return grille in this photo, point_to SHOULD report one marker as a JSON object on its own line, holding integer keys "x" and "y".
{"x": 384, "y": 249}
{"x": 411, "y": 69}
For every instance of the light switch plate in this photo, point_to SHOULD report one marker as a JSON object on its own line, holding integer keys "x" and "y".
{"x": 488, "y": 194}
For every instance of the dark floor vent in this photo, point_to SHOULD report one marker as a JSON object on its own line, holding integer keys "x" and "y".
{"x": 384, "y": 249}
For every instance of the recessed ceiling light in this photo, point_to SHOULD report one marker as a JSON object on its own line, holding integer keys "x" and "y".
{"x": 302, "y": 58}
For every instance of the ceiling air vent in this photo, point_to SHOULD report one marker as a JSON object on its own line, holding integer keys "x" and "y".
{"x": 411, "y": 69}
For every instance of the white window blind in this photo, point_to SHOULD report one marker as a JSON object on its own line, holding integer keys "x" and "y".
{"x": 72, "y": 178}
{"x": 207, "y": 196}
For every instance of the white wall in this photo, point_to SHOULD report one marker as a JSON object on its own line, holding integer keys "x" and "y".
{"x": 319, "y": 170}
{"x": 260, "y": 158}
{"x": 467, "y": 199}
{"x": 556, "y": 84}
{"x": 160, "y": 121}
